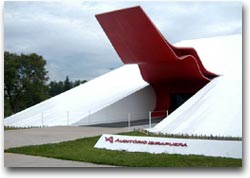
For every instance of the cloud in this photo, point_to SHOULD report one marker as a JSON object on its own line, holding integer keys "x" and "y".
{"x": 189, "y": 20}
{"x": 69, "y": 37}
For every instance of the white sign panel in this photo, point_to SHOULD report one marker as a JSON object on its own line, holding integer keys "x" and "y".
{"x": 216, "y": 148}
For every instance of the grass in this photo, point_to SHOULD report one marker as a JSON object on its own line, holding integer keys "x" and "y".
{"x": 13, "y": 128}
{"x": 206, "y": 137}
{"x": 17, "y": 128}
{"x": 83, "y": 150}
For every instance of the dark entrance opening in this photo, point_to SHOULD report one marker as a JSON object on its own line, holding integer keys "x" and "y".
{"x": 178, "y": 99}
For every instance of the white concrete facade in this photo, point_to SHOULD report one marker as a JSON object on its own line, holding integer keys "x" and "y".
{"x": 115, "y": 94}
{"x": 214, "y": 110}
{"x": 136, "y": 107}
{"x": 217, "y": 108}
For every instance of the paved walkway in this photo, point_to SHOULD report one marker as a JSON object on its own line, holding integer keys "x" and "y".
{"x": 133, "y": 124}
{"x": 36, "y": 136}
{"x": 18, "y": 160}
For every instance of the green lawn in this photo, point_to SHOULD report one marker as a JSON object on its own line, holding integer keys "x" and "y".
{"x": 149, "y": 134}
{"x": 83, "y": 150}
{"x": 16, "y": 128}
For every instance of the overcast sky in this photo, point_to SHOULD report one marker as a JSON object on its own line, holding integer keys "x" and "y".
{"x": 69, "y": 37}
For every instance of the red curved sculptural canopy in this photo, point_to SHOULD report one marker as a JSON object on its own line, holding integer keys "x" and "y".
{"x": 167, "y": 68}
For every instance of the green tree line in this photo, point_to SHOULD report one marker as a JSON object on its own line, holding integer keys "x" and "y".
{"x": 26, "y": 82}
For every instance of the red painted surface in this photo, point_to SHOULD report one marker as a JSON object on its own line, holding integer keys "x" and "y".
{"x": 167, "y": 68}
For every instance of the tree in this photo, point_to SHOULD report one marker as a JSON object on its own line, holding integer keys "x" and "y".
{"x": 67, "y": 84}
{"x": 78, "y": 82}
{"x": 55, "y": 88}
{"x": 25, "y": 79}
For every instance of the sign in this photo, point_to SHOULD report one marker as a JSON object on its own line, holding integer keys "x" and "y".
{"x": 157, "y": 145}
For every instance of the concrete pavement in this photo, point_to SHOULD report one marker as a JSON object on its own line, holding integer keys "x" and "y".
{"x": 18, "y": 160}
{"x": 37, "y": 136}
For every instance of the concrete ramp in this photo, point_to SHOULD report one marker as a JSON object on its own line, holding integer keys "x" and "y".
{"x": 101, "y": 100}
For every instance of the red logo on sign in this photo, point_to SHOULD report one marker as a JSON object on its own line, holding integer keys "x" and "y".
{"x": 109, "y": 139}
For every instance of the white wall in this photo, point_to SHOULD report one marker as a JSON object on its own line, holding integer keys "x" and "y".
{"x": 217, "y": 108}
{"x": 158, "y": 145}
{"x": 73, "y": 105}
{"x": 137, "y": 104}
